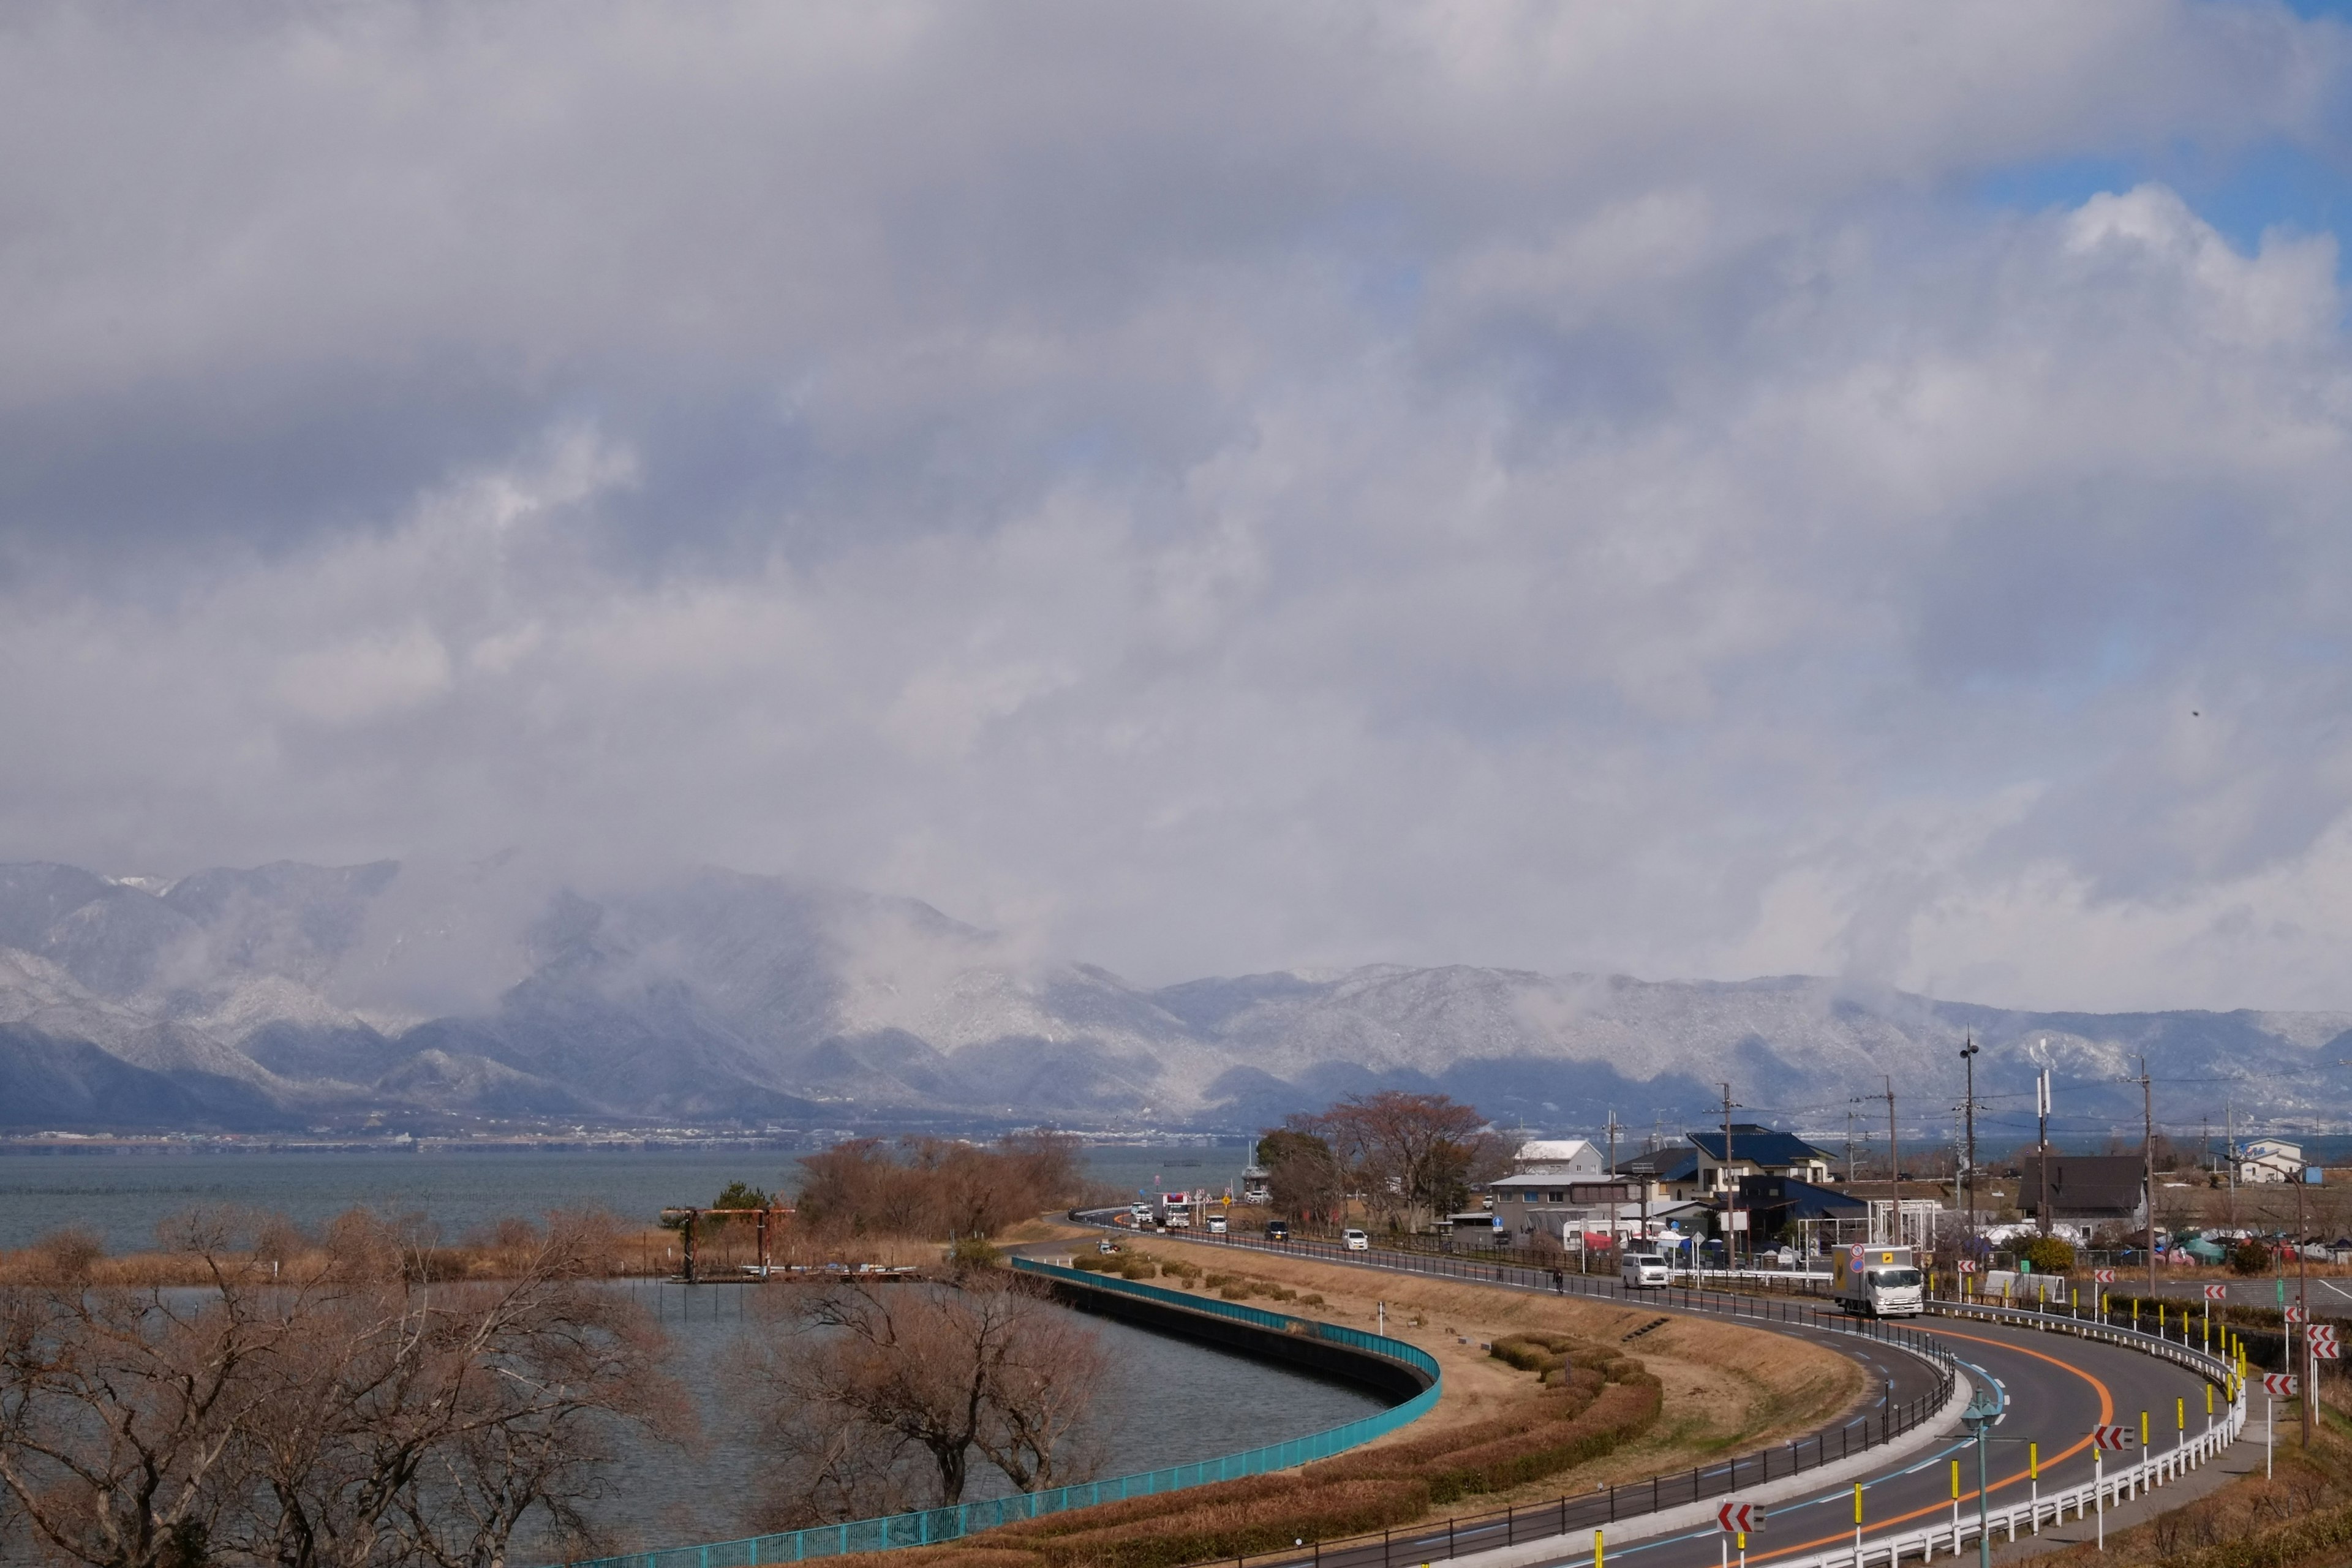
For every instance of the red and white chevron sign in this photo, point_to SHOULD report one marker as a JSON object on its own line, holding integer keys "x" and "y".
{"x": 2217, "y": 1293}
{"x": 2113, "y": 1437}
{"x": 1740, "y": 1518}
{"x": 2103, "y": 1275}
{"x": 2326, "y": 1349}
{"x": 2294, "y": 1314}
{"x": 2320, "y": 1333}
{"x": 2280, "y": 1384}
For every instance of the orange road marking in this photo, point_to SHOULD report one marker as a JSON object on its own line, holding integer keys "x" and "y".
{"x": 2107, "y": 1413}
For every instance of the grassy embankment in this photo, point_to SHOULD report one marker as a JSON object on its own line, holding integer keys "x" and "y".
{"x": 1543, "y": 1396}
{"x": 2301, "y": 1519}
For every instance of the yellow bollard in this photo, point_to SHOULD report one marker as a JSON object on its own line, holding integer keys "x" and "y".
{"x": 1596, "y": 1549}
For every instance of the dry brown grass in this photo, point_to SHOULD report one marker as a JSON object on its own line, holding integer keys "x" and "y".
{"x": 648, "y": 1253}
{"x": 1726, "y": 1386}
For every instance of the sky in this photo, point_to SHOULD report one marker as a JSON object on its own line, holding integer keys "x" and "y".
{"x": 1695, "y": 491}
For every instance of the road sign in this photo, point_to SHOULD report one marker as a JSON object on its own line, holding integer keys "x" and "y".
{"x": 1740, "y": 1518}
{"x": 1968, "y": 1265}
{"x": 2321, "y": 1333}
{"x": 2280, "y": 1384}
{"x": 2217, "y": 1293}
{"x": 2103, "y": 1275}
{"x": 2113, "y": 1437}
{"x": 2326, "y": 1349}
{"x": 2294, "y": 1314}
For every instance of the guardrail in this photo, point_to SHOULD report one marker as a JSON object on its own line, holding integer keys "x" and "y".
{"x": 1629, "y": 1500}
{"x": 1462, "y": 1537}
{"x": 2153, "y": 1469}
{"x": 927, "y": 1526}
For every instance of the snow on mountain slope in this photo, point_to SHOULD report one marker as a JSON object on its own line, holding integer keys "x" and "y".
{"x": 499, "y": 988}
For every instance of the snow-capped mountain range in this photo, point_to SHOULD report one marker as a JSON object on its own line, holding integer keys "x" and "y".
{"x": 290, "y": 995}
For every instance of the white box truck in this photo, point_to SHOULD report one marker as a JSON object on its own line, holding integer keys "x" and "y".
{"x": 1879, "y": 1282}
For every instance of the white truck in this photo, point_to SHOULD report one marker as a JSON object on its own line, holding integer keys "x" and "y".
{"x": 1878, "y": 1281}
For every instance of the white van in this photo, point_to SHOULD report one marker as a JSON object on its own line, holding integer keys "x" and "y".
{"x": 1355, "y": 1241}
{"x": 1216, "y": 1224}
{"x": 1647, "y": 1270}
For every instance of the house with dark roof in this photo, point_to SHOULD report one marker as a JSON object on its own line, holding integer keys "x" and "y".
{"x": 2087, "y": 1189}
{"x": 1782, "y": 1207}
{"x": 1750, "y": 1149}
{"x": 1671, "y": 1174}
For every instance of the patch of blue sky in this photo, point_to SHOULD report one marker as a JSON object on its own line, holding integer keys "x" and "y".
{"x": 2304, "y": 187}
{"x": 2275, "y": 185}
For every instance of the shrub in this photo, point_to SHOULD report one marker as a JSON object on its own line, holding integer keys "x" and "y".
{"x": 2048, "y": 1255}
{"x": 2250, "y": 1256}
{"x": 1621, "y": 1411}
{"x": 1206, "y": 1531}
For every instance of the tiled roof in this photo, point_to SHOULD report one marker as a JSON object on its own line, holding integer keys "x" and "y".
{"x": 1759, "y": 1146}
{"x": 1673, "y": 1164}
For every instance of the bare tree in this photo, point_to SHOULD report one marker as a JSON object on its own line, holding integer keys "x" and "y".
{"x": 427, "y": 1421}
{"x": 1412, "y": 1154}
{"x": 357, "y": 1418}
{"x": 121, "y": 1411}
{"x": 888, "y": 1395}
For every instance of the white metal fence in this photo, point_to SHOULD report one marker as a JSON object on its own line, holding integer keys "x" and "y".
{"x": 2163, "y": 1462}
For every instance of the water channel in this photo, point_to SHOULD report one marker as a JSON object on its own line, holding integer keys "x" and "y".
{"x": 1167, "y": 1401}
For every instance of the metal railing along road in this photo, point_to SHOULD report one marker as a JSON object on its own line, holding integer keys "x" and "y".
{"x": 2159, "y": 1466}
{"x": 1575, "y": 1517}
{"x": 1632, "y": 1499}
{"x": 925, "y": 1526}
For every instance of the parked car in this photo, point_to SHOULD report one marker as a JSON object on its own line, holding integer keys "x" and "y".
{"x": 1278, "y": 1230}
{"x": 1106, "y": 1246}
{"x": 1355, "y": 1241}
{"x": 1216, "y": 1224}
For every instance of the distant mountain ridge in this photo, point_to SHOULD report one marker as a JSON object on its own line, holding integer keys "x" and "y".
{"x": 290, "y": 995}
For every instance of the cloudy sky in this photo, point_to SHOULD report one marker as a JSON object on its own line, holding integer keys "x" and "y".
{"x": 1692, "y": 489}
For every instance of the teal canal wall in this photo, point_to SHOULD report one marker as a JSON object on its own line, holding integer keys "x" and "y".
{"x": 929, "y": 1525}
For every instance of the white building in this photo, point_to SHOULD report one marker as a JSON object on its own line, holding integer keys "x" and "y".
{"x": 1557, "y": 1157}
{"x": 2270, "y": 1160}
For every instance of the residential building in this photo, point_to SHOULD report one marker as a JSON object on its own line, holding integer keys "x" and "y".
{"x": 1754, "y": 1150}
{"x": 1557, "y": 1157}
{"x": 2269, "y": 1159}
{"x": 2087, "y": 1190}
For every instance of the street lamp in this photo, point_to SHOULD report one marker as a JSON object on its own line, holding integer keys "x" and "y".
{"x": 1982, "y": 1411}
{"x": 1969, "y": 1052}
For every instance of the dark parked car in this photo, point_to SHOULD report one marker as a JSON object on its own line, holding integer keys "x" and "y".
{"x": 1278, "y": 1230}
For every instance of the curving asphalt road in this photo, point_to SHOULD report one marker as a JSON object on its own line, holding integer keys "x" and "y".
{"x": 2055, "y": 1388}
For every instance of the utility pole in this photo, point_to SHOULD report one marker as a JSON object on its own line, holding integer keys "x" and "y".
{"x": 1894, "y": 1161}
{"x": 1731, "y": 1189}
{"x": 2310, "y": 1365}
{"x": 1969, "y": 1056}
{"x": 2230, "y": 1148}
{"x": 2041, "y": 1106}
{"x": 2148, "y": 1163}
{"x": 1616, "y": 1209}
{"x": 1849, "y": 1144}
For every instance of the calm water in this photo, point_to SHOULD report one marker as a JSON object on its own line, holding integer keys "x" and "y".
{"x": 123, "y": 1195}
{"x": 1168, "y": 1402}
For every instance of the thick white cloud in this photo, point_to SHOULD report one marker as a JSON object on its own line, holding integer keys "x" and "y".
{"x": 1210, "y": 489}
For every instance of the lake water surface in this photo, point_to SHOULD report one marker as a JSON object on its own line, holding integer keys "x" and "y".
{"x": 121, "y": 1196}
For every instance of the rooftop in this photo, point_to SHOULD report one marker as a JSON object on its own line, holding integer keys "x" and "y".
{"x": 1756, "y": 1145}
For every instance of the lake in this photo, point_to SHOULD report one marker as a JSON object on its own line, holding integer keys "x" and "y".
{"x": 122, "y": 1194}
